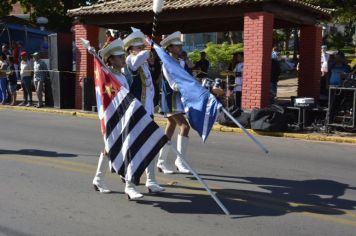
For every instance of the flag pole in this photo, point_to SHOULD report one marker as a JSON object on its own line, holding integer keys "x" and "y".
{"x": 259, "y": 144}
{"x": 212, "y": 194}
{"x": 157, "y": 9}
{"x": 92, "y": 51}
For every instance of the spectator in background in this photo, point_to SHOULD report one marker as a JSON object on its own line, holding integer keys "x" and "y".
{"x": 238, "y": 79}
{"x": 289, "y": 62}
{"x": 275, "y": 53}
{"x": 275, "y": 72}
{"x": 188, "y": 62}
{"x": 338, "y": 68}
{"x": 26, "y": 79}
{"x": 15, "y": 52}
{"x": 325, "y": 57}
{"x": 108, "y": 38}
{"x": 11, "y": 79}
{"x": 3, "y": 79}
{"x": 5, "y": 49}
{"x": 19, "y": 47}
{"x": 40, "y": 73}
{"x": 16, "y": 57}
{"x": 202, "y": 66}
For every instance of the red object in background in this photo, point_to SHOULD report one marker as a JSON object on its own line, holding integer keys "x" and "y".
{"x": 15, "y": 54}
{"x": 24, "y": 54}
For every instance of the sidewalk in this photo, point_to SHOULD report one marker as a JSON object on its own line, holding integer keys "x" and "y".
{"x": 219, "y": 128}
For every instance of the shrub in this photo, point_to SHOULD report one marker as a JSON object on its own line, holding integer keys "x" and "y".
{"x": 219, "y": 56}
{"x": 353, "y": 63}
{"x": 335, "y": 40}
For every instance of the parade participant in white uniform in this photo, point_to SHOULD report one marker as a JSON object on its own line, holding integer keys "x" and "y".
{"x": 172, "y": 107}
{"x": 142, "y": 88}
{"x": 113, "y": 56}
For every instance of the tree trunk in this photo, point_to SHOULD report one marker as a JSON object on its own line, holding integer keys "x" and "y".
{"x": 287, "y": 34}
{"x": 230, "y": 38}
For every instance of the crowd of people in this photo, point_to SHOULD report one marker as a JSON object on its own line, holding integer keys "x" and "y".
{"x": 17, "y": 65}
{"x": 333, "y": 66}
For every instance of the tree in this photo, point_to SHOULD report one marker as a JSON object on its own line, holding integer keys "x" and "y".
{"x": 6, "y": 7}
{"x": 54, "y": 10}
{"x": 344, "y": 13}
{"x": 219, "y": 56}
{"x": 345, "y": 10}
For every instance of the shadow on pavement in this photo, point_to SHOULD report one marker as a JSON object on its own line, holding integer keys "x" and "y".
{"x": 35, "y": 152}
{"x": 12, "y": 232}
{"x": 280, "y": 198}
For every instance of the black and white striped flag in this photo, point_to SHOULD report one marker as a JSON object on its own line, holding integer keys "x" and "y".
{"x": 131, "y": 137}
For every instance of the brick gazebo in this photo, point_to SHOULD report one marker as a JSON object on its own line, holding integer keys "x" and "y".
{"x": 257, "y": 18}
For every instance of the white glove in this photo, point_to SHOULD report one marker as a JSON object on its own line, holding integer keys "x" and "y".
{"x": 175, "y": 87}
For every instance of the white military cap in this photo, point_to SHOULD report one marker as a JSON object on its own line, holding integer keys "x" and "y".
{"x": 114, "y": 48}
{"x": 136, "y": 38}
{"x": 172, "y": 39}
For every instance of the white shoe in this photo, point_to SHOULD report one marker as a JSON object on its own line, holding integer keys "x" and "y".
{"x": 181, "y": 167}
{"x": 154, "y": 188}
{"x": 98, "y": 180}
{"x": 101, "y": 187}
{"x": 162, "y": 159}
{"x": 182, "y": 145}
{"x": 131, "y": 192}
{"x": 151, "y": 183}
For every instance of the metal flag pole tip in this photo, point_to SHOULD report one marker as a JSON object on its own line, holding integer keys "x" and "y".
{"x": 157, "y": 6}
{"x": 85, "y": 43}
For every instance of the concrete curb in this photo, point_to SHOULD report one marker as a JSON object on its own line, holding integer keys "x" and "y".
{"x": 216, "y": 127}
{"x": 311, "y": 137}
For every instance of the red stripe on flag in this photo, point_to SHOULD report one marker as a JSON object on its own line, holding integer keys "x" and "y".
{"x": 107, "y": 83}
{"x": 103, "y": 127}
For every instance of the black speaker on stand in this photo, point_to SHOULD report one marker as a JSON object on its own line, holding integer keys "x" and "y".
{"x": 61, "y": 70}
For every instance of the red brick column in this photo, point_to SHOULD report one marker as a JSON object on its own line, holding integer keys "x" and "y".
{"x": 84, "y": 61}
{"x": 309, "y": 61}
{"x": 258, "y": 39}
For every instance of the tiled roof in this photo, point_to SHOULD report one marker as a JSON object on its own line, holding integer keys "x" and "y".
{"x": 136, "y": 6}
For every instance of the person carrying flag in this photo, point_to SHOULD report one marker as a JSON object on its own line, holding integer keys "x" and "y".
{"x": 114, "y": 57}
{"x": 142, "y": 88}
{"x": 173, "y": 109}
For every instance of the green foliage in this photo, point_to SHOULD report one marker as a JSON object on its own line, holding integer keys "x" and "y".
{"x": 353, "y": 63}
{"x": 219, "y": 56}
{"x": 348, "y": 50}
{"x": 336, "y": 41}
{"x": 345, "y": 10}
{"x": 194, "y": 56}
{"x": 54, "y": 10}
{"x": 6, "y": 7}
{"x": 278, "y": 37}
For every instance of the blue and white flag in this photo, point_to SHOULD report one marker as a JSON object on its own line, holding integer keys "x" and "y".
{"x": 201, "y": 107}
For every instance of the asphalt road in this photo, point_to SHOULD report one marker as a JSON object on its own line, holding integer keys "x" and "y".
{"x": 47, "y": 163}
